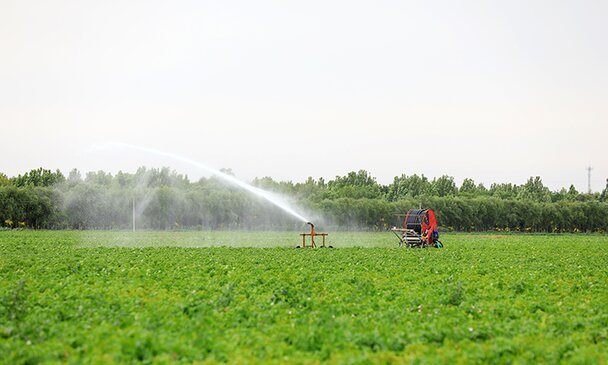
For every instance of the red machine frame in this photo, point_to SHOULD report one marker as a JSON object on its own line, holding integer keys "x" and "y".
{"x": 419, "y": 229}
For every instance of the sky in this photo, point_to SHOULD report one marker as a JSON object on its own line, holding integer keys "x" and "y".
{"x": 497, "y": 91}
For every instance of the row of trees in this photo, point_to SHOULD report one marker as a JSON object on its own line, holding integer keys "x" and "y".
{"x": 163, "y": 199}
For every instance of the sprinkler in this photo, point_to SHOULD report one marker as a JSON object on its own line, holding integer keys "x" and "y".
{"x": 312, "y": 235}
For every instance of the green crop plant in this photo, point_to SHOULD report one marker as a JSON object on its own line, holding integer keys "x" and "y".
{"x": 213, "y": 297}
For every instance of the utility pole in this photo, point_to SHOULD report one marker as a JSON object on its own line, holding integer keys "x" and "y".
{"x": 133, "y": 214}
{"x": 589, "y": 179}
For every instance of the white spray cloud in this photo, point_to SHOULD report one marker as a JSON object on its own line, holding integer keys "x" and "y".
{"x": 271, "y": 197}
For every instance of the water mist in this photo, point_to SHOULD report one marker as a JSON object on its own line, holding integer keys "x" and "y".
{"x": 270, "y": 197}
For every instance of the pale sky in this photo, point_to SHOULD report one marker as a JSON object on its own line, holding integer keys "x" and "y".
{"x": 493, "y": 90}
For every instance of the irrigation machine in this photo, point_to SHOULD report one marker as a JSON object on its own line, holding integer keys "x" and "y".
{"x": 419, "y": 230}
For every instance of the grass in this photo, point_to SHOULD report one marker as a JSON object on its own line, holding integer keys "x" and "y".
{"x": 206, "y": 297}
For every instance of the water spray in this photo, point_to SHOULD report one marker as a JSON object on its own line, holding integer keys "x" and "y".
{"x": 272, "y": 198}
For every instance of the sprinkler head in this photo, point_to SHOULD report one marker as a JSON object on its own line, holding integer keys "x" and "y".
{"x": 312, "y": 225}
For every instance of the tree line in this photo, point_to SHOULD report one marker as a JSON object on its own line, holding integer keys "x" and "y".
{"x": 163, "y": 199}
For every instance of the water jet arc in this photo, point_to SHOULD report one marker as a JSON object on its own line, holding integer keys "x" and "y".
{"x": 270, "y": 197}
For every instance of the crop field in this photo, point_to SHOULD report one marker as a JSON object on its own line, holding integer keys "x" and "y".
{"x": 240, "y": 297}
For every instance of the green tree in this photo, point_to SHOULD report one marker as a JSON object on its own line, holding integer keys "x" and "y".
{"x": 4, "y": 180}
{"x": 504, "y": 190}
{"x": 468, "y": 187}
{"x": 99, "y": 178}
{"x": 444, "y": 186}
{"x": 408, "y": 187}
{"x": 310, "y": 189}
{"x": 74, "y": 177}
{"x": 355, "y": 185}
{"x": 534, "y": 190}
{"x": 38, "y": 177}
{"x": 604, "y": 195}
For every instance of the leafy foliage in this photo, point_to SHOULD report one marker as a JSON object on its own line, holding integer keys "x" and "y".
{"x": 38, "y": 177}
{"x": 166, "y": 200}
{"x": 66, "y": 297}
